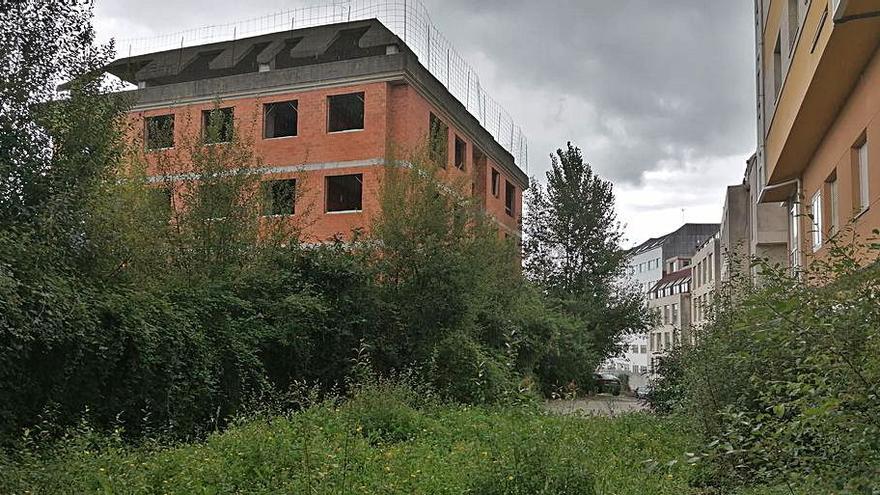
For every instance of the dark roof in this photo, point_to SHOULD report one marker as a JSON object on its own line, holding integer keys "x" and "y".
{"x": 282, "y": 50}
{"x": 688, "y": 228}
{"x": 673, "y": 278}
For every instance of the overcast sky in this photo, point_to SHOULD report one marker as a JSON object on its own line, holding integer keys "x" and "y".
{"x": 659, "y": 95}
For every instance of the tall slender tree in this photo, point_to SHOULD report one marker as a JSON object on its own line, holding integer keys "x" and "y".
{"x": 572, "y": 250}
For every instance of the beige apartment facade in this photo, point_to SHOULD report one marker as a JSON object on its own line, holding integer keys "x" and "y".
{"x": 705, "y": 282}
{"x": 670, "y": 298}
{"x": 818, "y": 76}
{"x": 767, "y": 224}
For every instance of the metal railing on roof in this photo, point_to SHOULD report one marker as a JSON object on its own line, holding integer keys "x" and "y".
{"x": 408, "y": 19}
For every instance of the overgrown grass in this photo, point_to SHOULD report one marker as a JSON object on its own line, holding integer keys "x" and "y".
{"x": 388, "y": 438}
{"x": 375, "y": 443}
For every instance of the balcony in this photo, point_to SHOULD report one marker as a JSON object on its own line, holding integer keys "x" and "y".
{"x": 828, "y": 60}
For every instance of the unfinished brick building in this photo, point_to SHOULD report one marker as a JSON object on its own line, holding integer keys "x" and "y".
{"x": 329, "y": 104}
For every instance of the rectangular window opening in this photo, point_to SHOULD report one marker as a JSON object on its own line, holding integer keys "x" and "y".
{"x": 777, "y": 67}
{"x": 162, "y": 199}
{"x": 794, "y": 239}
{"x": 460, "y": 153}
{"x": 279, "y": 197}
{"x": 345, "y": 112}
{"x": 345, "y": 193}
{"x": 816, "y": 214}
{"x": 794, "y": 23}
{"x": 216, "y": 200}
{"x": 280, "y": 119}
{"x": 833, "y": 203}
{"x": 496, "y": 186}
{"x": 509, "y": 198}
{"x": 438, "y": 141}
{"x": 159, "y": 132}
{"x": 864, "y": 177}
{"x": 218, "y": 125}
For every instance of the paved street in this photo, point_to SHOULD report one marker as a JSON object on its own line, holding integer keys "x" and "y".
{"x": 600, "y": 405}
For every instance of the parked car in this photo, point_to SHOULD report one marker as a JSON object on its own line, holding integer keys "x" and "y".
{"x": 606, "y": 383}
{"x": 644, "y": 392}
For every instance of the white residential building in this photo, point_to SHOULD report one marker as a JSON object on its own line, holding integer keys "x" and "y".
{"x": 646, "y": 267}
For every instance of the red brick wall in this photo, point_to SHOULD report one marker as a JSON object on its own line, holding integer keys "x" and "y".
{"x": 409, "y": 125}
{"x": 396, "y": 120}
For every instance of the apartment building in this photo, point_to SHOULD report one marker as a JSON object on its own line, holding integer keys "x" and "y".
{"x": 818, "y": 77}
{"x": 733, "y": 237}
{"x": 324, "y": 107}
{"x": 647, "y": 260}
{"x": 767, "y": 224}
{"x": 648, "y": 263}
{"x": 670, "y": 298}
{"x": 705, "y": 281}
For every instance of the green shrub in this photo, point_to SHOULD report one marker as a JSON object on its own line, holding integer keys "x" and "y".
{"x": 382, "y": 412}
{"x": 536, "y": 466}
{"x": 570, "y": 362}
{"x": 459, "y": 449}
{"x": 784, "y": 379}
{"x": 465, "y": 372}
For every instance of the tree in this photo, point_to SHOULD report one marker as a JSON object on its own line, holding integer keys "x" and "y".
{"x": 54, "y": 153}
{"x": 572, "y": 251}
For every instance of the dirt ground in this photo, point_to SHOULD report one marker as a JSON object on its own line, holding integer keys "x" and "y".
{"x": 600, "y": 405}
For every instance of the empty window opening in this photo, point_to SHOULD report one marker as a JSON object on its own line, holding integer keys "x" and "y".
{"x": 159, "y": 132}
{"x": 218, "y": 125}
{"x": 279, "y": 197}
{"x": 438, "y": 141}
{"x": 496, "y": 182}
{"x": 777, "y": 66}
{"x": 280, "y": 119}
{"x": 460, "y": 153}
{"x": 345, "y": 192}
{"x": 161, "y": 200}
{"x": 345, "y": 112}
{"x": 216, "y": 201}
{"x": 509, "y": 198}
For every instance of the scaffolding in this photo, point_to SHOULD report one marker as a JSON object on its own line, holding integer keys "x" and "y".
{"x": 408, "y": 19}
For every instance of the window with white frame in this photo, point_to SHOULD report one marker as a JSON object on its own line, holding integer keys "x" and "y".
{"x": 864, "y": 198}
{"x": 816, "y": 215}
{"x": 794, "y": 234}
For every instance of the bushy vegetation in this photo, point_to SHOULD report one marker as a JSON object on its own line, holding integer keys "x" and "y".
{"x": 784, "y": 380}
{"x": 388, "y": 439}
{"x": 164, "y": 304}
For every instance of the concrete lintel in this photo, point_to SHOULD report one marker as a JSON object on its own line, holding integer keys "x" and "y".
{"x": 280, "y": 169}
